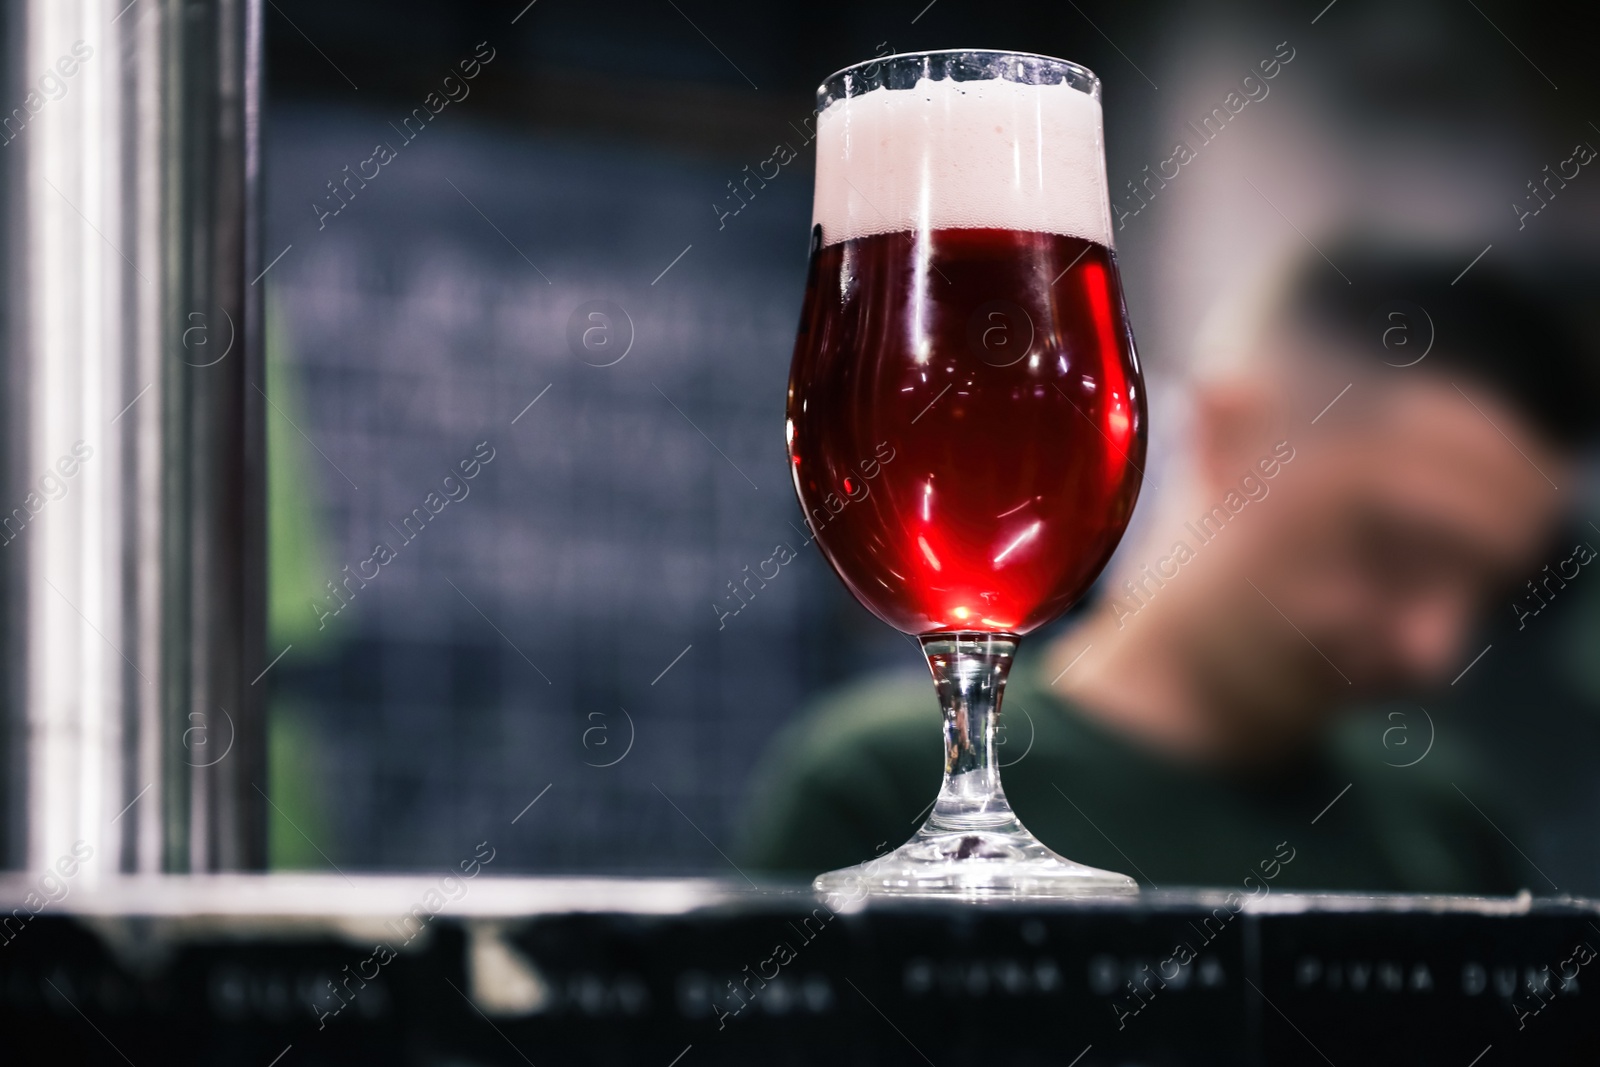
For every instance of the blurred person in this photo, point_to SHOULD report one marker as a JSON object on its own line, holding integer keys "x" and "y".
{"x": 1346, "y": 514}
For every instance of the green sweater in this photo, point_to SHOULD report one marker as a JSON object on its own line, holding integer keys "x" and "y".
{"x": 860, "y": 772}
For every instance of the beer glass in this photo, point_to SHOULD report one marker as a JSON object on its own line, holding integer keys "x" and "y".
{"x": 966, "y": 415}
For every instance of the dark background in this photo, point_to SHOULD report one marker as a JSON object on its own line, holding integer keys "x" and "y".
{"x": 526, "y": 635}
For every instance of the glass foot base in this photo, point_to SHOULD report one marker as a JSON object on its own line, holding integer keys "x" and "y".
{"x": 973, "y": 864}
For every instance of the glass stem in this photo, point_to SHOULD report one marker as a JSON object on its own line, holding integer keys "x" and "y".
{"x": 969, "y": 672}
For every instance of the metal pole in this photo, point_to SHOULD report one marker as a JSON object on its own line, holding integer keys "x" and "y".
{"x": 132, "y": 555}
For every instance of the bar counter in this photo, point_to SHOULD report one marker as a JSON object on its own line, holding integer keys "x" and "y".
{"x": 451, "y": 969}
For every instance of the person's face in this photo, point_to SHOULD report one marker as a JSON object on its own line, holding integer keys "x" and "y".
{"x": 1403, "y": 518}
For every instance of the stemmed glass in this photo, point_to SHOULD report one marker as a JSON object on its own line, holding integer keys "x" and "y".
{"x": 966, "y": 416}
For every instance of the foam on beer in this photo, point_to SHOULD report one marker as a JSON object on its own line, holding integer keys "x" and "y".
{"x": 962, "y": 154}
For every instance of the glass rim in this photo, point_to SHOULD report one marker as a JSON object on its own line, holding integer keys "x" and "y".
{"x": 1078, "y": 70}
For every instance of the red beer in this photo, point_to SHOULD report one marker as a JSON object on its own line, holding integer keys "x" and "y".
{"x": 966, "y": 420}
{"x": 966, "y": 423}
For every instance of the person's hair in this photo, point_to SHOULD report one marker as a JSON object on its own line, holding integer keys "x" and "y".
{"x": 1490, "y": 325}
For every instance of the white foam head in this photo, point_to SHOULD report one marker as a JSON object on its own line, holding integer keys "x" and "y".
{"x": 962, "y": 154}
